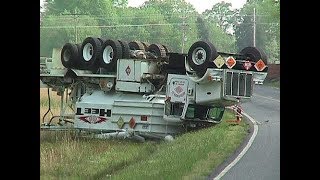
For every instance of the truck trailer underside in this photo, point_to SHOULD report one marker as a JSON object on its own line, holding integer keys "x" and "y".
{"x": 155, "y": 94}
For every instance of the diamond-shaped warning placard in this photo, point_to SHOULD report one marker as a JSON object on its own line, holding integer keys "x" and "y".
{"x": 128, "y": 70}
{"x": 260, "y": 65}
{"x": 132, "y": 123}
{"x": 247, "y": 65}
{"x": 120, "y": 122}
{"x": 178, "y": 89}
{"x": 230, "y": 62}
{"x": 219, "y": 61}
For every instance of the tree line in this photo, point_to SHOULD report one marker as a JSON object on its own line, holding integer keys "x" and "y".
{"x": 174, "y": 23}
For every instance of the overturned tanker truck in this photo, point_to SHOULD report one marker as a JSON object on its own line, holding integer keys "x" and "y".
{"x": 127, "y": 90}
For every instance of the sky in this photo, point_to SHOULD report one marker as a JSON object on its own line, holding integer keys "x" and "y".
{"x": 200, "y": 7}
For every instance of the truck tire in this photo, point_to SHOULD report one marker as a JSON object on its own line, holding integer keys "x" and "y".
{"x": 200, "y": 55}
{"x": 125, "y": 49}
{"x": 90, "y": 53}
{"x": 102, "y": 40}
{"x": 136, "y": 45}
{"x": 111, "y": 52}
{"x": 254, "y": 54}
{"x": 69, "y": 55}
{"x": 158, "y": 50}
{"x": 77, "y": 62}
{"x": 145, "y": 45}
{"x": 166, "y": 48}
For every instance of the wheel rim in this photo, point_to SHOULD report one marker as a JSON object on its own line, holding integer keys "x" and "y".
{"x": 108, "y": 54}
{"x": 87, "y": 52}
{"x": 199, "y": 56}
{"x": 66, "y": 55}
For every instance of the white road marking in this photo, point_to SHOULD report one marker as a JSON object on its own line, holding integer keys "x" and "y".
{"x": 277, "y": 100}
{"x": 257, "y": 122}
{"x": 244, "y": 150}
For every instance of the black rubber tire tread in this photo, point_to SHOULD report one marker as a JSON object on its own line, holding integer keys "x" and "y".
{"x": 102, "y": 40}
{"x": 166, "y": 48}
{"x": 158, "y": 50}
{"x": 255, "y": 54}
{"x": 73, "y": 51}
{"x": 79, "y": 46}
{"x": 77, "y": 62}
{"x": 146, "y": 45}
{"x": 117, "y": 54}
{"x": 211, "y": 55}
{"x": 136, "y": 45}
{"x": 96, "y": 55}
{"x": 125, "y": 49}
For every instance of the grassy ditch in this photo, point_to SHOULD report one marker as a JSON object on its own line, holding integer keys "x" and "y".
{"x": 191, "y": 156}
{"x": 62, "y": 155}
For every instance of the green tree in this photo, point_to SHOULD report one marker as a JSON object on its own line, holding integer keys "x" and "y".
{"x": 267, "y": 26}
{"x": 92, "y": 7}
{"x": 222, "y": 41}
{"x": 87, "y": 15}
{"x": 203, "y": 32}
{"x": 55, "y": 31}
{"x": 244, "y": 33}
{"x": 128, "y": 25}
{"x": 170, "y": 22}
{"x": 222, "y": 14}
{"x": 180, "y": 17}
{"x": 120, "y": 3}
{"x": 170, "y": 8}
{"x": 273, "y": 50}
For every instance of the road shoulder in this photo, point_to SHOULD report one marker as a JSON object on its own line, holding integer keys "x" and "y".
{"x": 239, "y": 152}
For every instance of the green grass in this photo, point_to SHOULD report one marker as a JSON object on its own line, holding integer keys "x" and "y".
{"x": 191, "y": 156}
{"x": 65, "y": 156}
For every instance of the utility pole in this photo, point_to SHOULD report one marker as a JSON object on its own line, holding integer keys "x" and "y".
{"x": 254, "y": 27}
{"x": 75, "y": 17}
{"x": 183, "y": 31}
{"x": 75, "y": 26}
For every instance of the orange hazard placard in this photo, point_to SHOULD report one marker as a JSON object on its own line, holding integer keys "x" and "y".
{"x": 260, "y": 65}
{"x": 231, "y": 62}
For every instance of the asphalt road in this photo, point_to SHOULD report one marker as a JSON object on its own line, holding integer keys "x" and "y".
{"x": 262, "y": 160}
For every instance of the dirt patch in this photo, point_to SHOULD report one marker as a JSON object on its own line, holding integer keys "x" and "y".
{"x": 273, "y": 72}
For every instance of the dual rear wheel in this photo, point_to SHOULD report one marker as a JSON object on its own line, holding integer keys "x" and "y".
{"x": 201, "y": 55}
{"x": 94, "y": 53}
